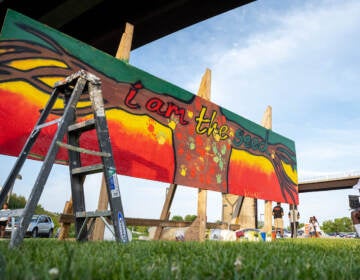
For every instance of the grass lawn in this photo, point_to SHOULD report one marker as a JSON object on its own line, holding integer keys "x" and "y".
{"x": 320, "y": 258}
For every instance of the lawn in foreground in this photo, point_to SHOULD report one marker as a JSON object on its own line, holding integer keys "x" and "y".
{"x": 281, "y": 259}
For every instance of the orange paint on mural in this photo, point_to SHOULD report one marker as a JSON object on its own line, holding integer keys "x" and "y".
{"x": 135, "y": 159}
{"x": 256, "y": 178}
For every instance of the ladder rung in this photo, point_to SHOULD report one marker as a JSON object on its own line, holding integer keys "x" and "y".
{"x": 82, "y": 126}
{"x": 40, "y": 126}
{"x": 86, "y": 170}
{"x": 82, "y": 150}
{"x": 92, "y": 214}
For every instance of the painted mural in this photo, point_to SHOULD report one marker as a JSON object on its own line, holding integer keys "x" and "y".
{"x": 158, "y": 130}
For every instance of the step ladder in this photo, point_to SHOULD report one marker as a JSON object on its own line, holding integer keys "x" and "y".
{"x": 73, "y": 89}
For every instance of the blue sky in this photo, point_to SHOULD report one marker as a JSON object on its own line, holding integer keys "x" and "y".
{"x": 299, "y": 57}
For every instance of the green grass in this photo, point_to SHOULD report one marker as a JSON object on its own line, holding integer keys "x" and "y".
{"x": 283, "y": 259}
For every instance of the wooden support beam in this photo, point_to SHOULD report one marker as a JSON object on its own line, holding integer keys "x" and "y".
{"x": 197, "y": 230}
{"x": 65, "y": 225}
{"x": 69, "y": 218}
{"x": 165, "y": 213}
{"x": 99, "y": 227}
{"x": 267, "y": 123}
{"x": 247, "y": 217}
{"x": 198, "y": 227}
{"x": 123, "y": 52}
{"x": 229, "y": 205}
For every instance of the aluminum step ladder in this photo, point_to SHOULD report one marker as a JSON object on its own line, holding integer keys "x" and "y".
{"x": 72, "y": 89}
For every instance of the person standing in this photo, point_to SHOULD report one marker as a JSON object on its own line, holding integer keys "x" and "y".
{"x": 312, "y": 230}
{"x": 4, "y": 220}
{"x": 294, "y": 217}
{"x": 278, "y": 213}
{"x": 355, "y": 217}
{"x": 355, "y": 206}
{"x": 316, "y": 227}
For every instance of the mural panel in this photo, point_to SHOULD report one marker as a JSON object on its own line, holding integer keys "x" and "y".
{"x": 158, "y": 130}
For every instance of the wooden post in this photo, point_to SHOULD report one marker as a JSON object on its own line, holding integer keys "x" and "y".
{"x": 247, "y": 213}
{"x": 65, "y": 227}
{"x": 165, "y": 213}
{"x": 229, "y": 202}
{"x": 267, "y": 123}
{"x": 99, "y": 228}
{"x": 197, "y": 230}
{"x": 123, "y": 53}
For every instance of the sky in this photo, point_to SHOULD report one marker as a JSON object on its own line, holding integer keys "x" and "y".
{"x": 299, "y": 57}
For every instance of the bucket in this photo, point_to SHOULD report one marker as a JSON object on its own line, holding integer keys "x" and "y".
{"x": 263, "y": 236}
{"x": 273, "y": 235}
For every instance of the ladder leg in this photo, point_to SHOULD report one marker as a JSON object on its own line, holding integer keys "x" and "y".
{"x": 109, "y": 165}
{"x": 27, "y": 147}
{"x": 68, "y": 117}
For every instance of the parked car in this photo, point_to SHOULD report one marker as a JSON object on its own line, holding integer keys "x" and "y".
{"x": 40, "y": 225}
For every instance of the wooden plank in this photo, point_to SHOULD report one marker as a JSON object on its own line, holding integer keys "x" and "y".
{"x": 69, "y": 218}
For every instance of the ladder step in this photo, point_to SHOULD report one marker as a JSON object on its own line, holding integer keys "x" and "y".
{"x": 93, "y": 214}
{"x": 40, "y": 126}
{"x": 82, "y": 126}
{"x": 82, "y": 150}
{"x": 86, "y": 170}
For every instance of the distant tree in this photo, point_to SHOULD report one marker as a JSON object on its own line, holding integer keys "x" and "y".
{"x": 338, "y": 225}
{"x": 190, "y": 218}
{"x": 142, "y": 229}
{"x": 16, "y": 202}
{"x": 177, "y": 218}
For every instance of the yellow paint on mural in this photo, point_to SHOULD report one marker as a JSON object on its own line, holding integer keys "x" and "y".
{"x": 50, "y": 81}
{"x": 36, "y": 96}
{"x": 172, "y": 125}
{"x": 261, "y": 163}
{"x": 31, "y": 63}
{"x": 135, "y": 124}
{"x": 292, "y": 174}
{"x": 30, "y": 93}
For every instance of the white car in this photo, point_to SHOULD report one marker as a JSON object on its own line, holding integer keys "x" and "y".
{"x": 40, "y": 225}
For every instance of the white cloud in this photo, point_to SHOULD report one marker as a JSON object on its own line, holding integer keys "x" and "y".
{"x": 301, "y": 56}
